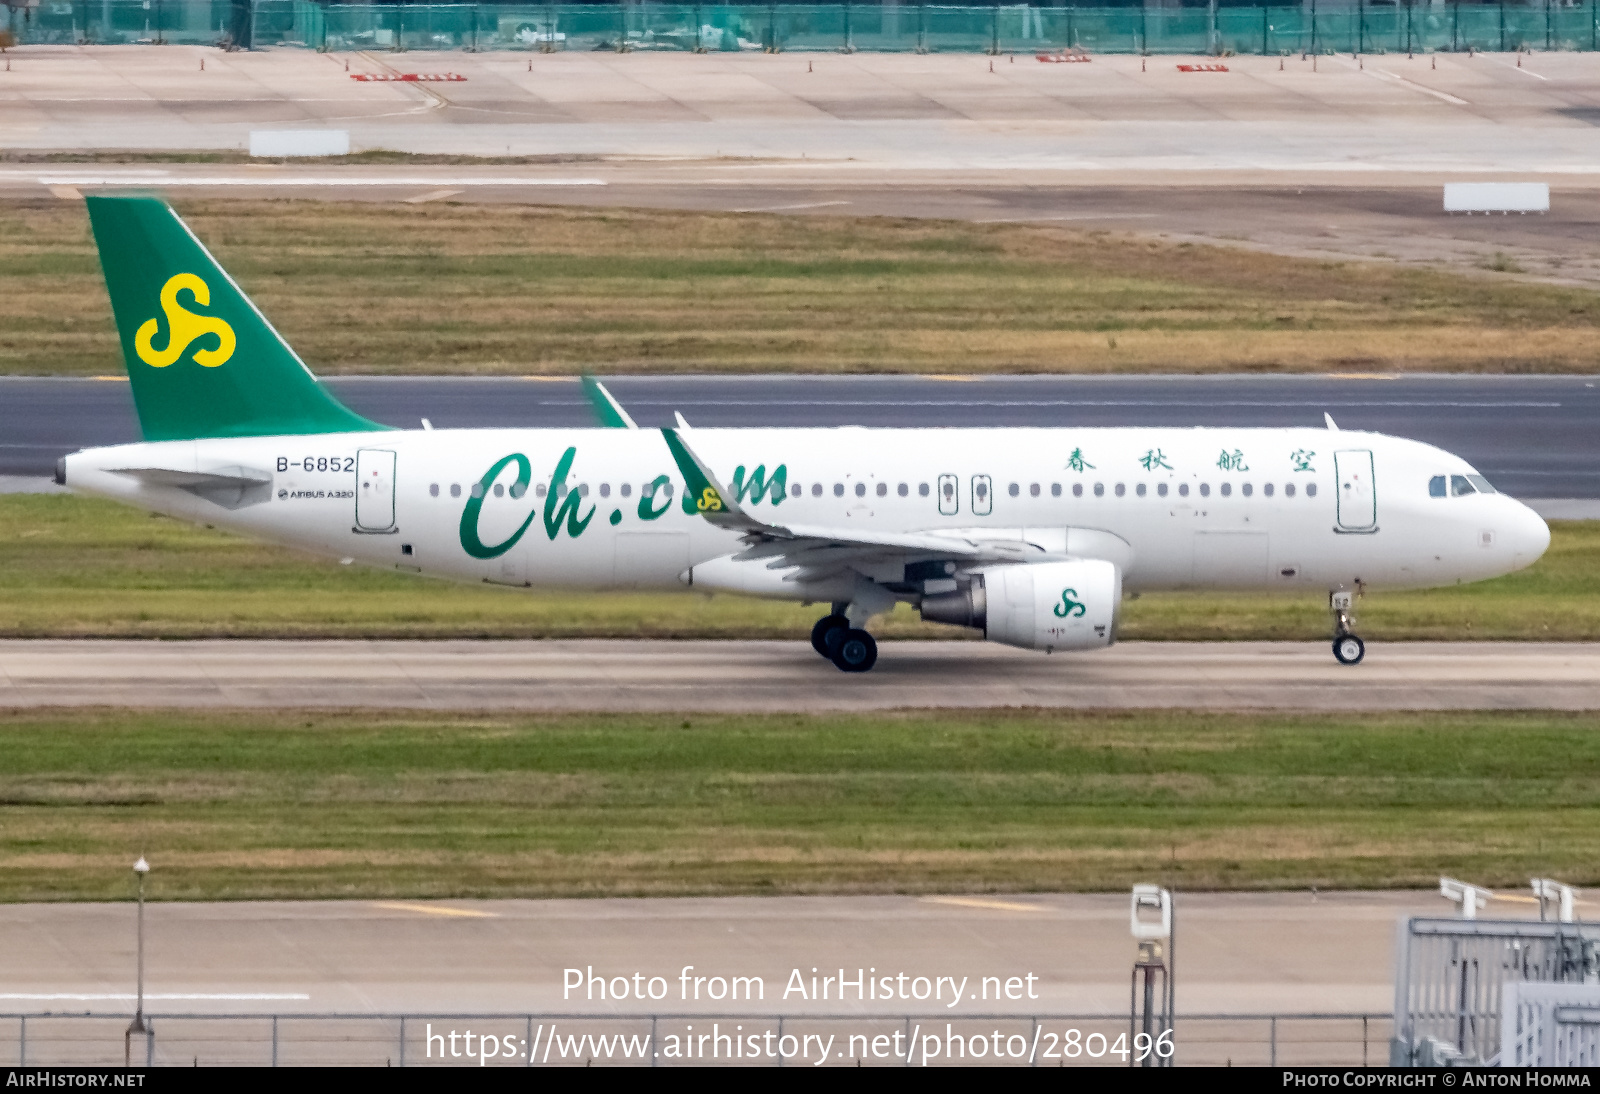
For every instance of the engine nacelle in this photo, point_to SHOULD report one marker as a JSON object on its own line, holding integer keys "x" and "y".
{"x": 1043, "y": 606}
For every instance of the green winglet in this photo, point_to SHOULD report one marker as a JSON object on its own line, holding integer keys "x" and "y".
{"x": 202, "y": 360}
{"x": 713, "y": 502}
{"x": 606, "y": 409}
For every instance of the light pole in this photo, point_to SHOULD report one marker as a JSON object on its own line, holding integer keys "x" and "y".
{"x": 140, "y": 869}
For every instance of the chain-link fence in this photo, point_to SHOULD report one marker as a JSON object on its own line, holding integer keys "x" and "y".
{"x": 652, "y": 1040}
{"x": 1358, "y": 27}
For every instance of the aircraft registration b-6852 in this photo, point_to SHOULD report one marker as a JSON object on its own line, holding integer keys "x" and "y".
{"x": 1030, "y": 535}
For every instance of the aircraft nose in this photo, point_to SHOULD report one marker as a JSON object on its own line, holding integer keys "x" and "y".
{"x": 1528, "y": 535}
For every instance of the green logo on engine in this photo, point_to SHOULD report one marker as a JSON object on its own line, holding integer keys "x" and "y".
{"x": 1068, "y": 608}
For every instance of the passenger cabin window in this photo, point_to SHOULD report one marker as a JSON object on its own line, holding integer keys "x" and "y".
{"x": 433, "y": 489}
{"x": 816, "y": 490}
{"x": 1161, "y": 489}
{"x": 605, "y": 490}
{"x": 1311, "y": 489}
{"x": 626, "y": 489}
{"x": 1205, "y": 490}
{"x": 1267, "y": 489}
{"x": 477, "y": 490}
{"x": 1183, "y": 490}
{"x": 1140, "y": 489}
{"x": 1121, "y": 490}
{"x": 861, "y": 489}
{"x": 1225, "y": 489}
{"x": 540, "y": 491}
{"x": 1014, "y": 490}
{"x": 1055, "y": 490}
{"x": 455, "y": 490}
{"x": 838, "y": 489}
{"x": 1077, "y": 489}
{"x": 1033, "y": 490}
{"x": 1246, "y": 490}
{"x": 883, "y": 490}
{"x": 1436, "y": 486}
{"x": 1099, "y": 489}
{"x": 796, "y": 490}
{"x": 1288, "y": 489}
{"x": 904, "y": 490}
{"x": 499, "y": 490}
{"x": 922, "y": 490}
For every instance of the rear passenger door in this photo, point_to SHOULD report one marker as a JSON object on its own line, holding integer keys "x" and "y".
{"x": 375, "y": 490}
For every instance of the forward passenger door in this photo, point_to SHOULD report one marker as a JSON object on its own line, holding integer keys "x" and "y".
{"x": 1358, "y": 496}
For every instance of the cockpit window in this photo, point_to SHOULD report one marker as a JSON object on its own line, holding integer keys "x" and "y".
{"x": 1459, "y": 486}
{"x": 1482, "y": 484}
{"x": 1436, "y": 487}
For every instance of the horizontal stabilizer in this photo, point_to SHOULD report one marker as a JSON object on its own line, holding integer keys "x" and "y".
{"x": 229, "y": 487}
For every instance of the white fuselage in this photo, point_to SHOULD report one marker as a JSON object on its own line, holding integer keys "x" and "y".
{"x": 1234, "y": 508}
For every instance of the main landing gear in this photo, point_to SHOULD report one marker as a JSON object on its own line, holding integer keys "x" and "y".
{"x": 1347, "y": 648}
{"x": 849, "y": 648}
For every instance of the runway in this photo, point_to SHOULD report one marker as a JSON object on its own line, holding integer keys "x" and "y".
{"x": 1240, "y": 952}
{"x": 1533, "y": 436}
{"x": 623, "y": 676}
{"x": 1338, "y": 160}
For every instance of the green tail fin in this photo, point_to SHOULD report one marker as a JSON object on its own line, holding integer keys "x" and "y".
{"x": 202, "y": 360}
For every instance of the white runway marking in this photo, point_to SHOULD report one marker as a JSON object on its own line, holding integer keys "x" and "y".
{"x": 1446, "y": 96}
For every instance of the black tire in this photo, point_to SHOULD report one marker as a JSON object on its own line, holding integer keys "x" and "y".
{"x": 827, "y": 634}
{"x": 856, "y": 652}
{"x": 1349, "y": 650}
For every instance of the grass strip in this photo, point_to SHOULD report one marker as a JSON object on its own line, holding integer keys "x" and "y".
{"x": 73, "y": 567}
{"x": 366, "y": 287}
{"x": 282, "y": 804}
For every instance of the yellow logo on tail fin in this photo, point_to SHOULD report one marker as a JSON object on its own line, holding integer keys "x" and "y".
{"x": 184, "y": 326}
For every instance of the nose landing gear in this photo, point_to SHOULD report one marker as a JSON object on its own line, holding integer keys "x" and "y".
{"x": 1347, "y": 648}
{"x": 849, "y": 648}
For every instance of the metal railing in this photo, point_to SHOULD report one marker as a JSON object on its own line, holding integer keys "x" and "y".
{"x": 410, "y": 1040}
{"x": 1450, "y": 975}
{"x": 1354, "y": 26}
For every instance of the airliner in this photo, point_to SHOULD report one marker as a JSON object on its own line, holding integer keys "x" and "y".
{"x": 1031, "y": 536}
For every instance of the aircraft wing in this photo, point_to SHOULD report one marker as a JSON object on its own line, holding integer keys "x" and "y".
{"x": 819, "y": 550}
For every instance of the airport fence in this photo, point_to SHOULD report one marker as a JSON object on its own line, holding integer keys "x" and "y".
{"x": 1354, "y": 27}
{"x": 662, "y": 1040}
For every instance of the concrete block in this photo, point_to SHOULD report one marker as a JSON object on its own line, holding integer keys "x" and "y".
{"x": 299, "y": 142}
{"x": 1497, "y": 197}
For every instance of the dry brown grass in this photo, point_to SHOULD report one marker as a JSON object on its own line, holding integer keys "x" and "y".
{"x": 361, "y": 287}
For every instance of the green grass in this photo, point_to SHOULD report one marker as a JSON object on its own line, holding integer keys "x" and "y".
{"x": 236, "y": 805}
{"x": 366, "y": 287}
{"x": 79, "y": 567}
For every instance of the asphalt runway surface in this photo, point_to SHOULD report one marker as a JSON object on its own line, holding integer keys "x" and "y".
{"x": 1533, "y": 436}
{"x": 631, "y": 675}
{"x": 1238, "y": 952}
